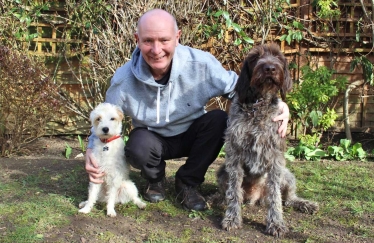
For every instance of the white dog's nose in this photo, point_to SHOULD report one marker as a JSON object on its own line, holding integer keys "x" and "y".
{"x": 105, "y": 129}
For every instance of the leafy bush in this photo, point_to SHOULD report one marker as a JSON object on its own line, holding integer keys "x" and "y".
{"x": 28, "y": 100}
{"x": 307, "y": 150}
{"x": 347, "y": 152}
{"x": 308, "y": 101}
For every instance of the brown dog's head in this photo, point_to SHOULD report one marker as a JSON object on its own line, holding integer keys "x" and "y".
{"x": 264, "y": 72}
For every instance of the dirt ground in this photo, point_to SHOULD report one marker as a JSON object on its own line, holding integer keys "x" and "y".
{"x": 48, "y": 153}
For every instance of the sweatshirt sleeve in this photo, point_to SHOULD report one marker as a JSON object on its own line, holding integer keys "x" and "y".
{"x": 222, "y": 81}
{"x": 91, "y": 138}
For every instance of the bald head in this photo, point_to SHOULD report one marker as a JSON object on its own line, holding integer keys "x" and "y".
{"x": 157, "y": 37}
{"x": 156, "y": 15}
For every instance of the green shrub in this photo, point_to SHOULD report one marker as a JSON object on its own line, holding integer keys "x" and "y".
{"x": 308, "y": 101}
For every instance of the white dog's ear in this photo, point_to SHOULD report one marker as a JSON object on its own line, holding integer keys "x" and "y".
{"x": 120, "y": 112}
{"x": 94, "y": 118}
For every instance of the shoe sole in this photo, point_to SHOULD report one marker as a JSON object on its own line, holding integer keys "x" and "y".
{"x": 154, "y": 200}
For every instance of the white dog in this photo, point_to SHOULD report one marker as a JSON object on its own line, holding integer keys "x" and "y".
{"x": 109, "y": 153}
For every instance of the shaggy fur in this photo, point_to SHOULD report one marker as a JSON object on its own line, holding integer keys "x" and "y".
{"x": 106, "y": 120}
{"x": 255, "y": 165}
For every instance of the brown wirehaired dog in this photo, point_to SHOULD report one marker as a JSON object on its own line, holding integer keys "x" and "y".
{"x": 255, "y": 167}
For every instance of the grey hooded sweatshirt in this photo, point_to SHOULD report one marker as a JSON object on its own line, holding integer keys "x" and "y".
{"x": 196, "y": 77}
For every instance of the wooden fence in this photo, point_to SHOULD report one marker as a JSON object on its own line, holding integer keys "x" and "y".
{"x": 53, "y": 40}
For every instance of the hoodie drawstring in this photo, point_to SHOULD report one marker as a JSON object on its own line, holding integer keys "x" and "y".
{"x": 168, "y": 108}
{"x": 158, "y": 104}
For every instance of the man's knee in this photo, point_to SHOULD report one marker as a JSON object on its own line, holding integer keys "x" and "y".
{"x": 219, "y": 118}
{"x": 135, "y": 156}
{"x": 141, "y": 147}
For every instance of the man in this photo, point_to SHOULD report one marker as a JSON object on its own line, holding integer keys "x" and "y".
{"x": 164, "y": 88}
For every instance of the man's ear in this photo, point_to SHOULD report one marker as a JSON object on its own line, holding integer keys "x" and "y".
{"x": 136, "y": 37}
{"x": 179, "y": 32}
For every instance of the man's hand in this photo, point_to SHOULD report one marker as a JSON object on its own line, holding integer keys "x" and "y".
{"x": 92, "y": 168}
{"x": 284, "y": 117}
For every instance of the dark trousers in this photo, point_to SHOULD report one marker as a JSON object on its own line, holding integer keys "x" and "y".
{"x": 147, "y": 151}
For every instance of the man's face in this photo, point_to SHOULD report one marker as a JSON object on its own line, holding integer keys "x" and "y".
{"x": 157, "y": 40}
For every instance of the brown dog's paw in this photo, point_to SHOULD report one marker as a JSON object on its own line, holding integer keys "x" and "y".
{"x": 276, "y": 229}
{"x": 304, "y": 206}
{"x": 310, "y": 207}
{"x": 229, "y": 224}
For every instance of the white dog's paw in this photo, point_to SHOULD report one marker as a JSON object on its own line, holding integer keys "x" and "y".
{"x": 82, "y": 204}
{"x": 111, "y": 213}
{"x": 85, "y": 210}
{"x": 141, "y": 204}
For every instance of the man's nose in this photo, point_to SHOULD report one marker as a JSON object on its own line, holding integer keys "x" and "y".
{"x": 156, "y": 48}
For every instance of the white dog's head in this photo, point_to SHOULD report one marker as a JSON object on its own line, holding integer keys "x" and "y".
{"x": 106, "y": 120}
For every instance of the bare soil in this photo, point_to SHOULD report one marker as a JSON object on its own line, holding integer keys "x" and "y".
{"x": 47, "y": 153}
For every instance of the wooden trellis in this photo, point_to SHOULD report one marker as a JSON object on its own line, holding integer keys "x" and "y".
{"x": 52, "y": 40}
{"x": 56, "y": 38}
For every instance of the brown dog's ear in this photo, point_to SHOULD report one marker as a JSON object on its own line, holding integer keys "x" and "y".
{"x": 244, "y": 81}
{"x": 287, "y": 83}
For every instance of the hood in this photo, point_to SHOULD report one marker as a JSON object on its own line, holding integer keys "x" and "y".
{"x": 142, "y": 72}
{"x": 141, "y": 69}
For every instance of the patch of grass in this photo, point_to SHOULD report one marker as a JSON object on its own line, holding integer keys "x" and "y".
{"x": 33, "y": 214}
{"x": 161, "y": 236}
{"x": 35, "y": 205}
{"x": 106, "y": 236}
{"x": 344, "y": 191}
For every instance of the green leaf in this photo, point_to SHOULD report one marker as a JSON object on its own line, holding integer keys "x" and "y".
{"x": 125, "y": 139}
{"x": 288, "y": 39}
{"x": 31, "y": 37}
{"x": 314, "y": 115}
{"x": 316, "y": 154}
{"x": 18, "y": 16}
{"x": 81, "y": 144}
{"x": 298, "y": 25}
{"x": 283, "y": 37}
{"x": 345, "y": 143}
{"x": 237, "y": 42}
{"x": 229, "y": 23}
{"x": 68, "y": 151}
{"x": 248, "y": 40}
{"x": 299, "y": 36}
{"x": 236, "y": 27}
{"x": 218, "y": 13}
{"x": 226, "y": 15}
{"x": 289, "y": 154}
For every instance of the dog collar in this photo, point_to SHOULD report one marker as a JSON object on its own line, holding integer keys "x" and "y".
{"x": 107, "y": 140}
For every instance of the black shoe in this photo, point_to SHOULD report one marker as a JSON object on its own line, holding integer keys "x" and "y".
{"x": 155, "y": 192}
{"x": 189, "y": 197}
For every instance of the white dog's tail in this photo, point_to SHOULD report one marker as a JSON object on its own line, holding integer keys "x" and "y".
{"x": 128, "y": 192}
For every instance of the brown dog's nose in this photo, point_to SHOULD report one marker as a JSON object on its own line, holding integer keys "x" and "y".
{"x": 269, "y": 68}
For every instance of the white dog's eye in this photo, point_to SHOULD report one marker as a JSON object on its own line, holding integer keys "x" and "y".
{"x": 98, "y": 119}
{"x": 112, "y": 119}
